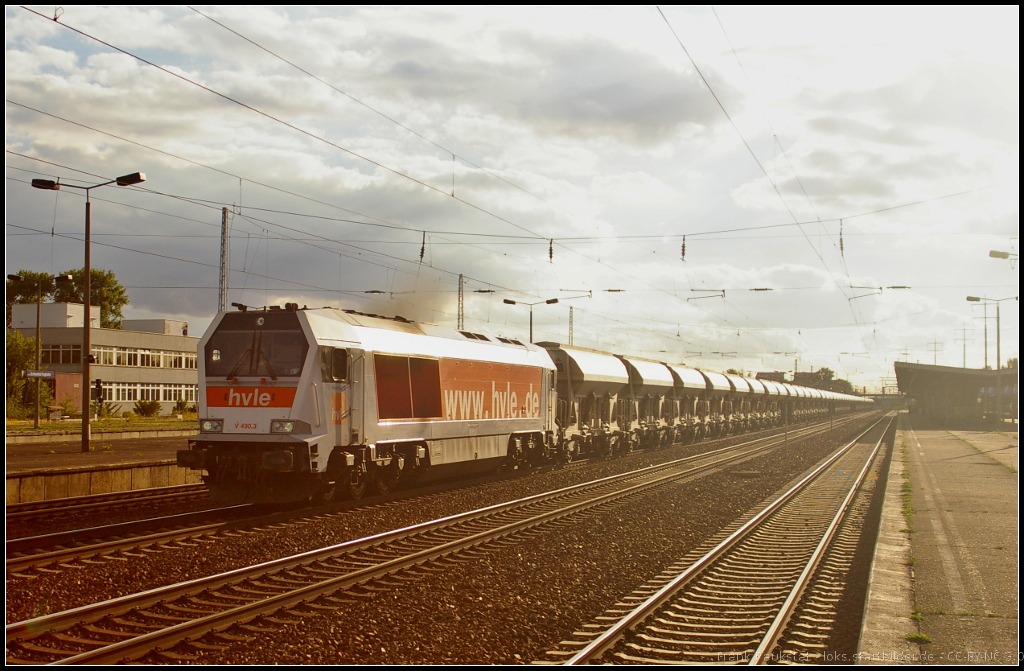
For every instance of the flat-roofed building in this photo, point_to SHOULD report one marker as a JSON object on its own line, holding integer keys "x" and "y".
{"x": 146, "y": 360}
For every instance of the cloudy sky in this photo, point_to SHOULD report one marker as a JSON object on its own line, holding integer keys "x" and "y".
{"x": 825, "y": 154}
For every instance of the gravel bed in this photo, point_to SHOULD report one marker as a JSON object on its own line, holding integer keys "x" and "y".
{"x": 27, "y": 598}
{"x": 514, "y": 604}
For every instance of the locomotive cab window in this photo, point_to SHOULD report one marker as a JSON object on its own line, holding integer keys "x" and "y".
{"x": 254, "y": 344}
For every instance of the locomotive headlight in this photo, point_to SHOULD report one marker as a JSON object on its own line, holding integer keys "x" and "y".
{"x": 282, "y": 426}
{"x": 212, "y": 425}
{"x": 287, "y": 426}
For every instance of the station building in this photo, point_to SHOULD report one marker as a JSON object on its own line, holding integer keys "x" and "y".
{"x": 952, "y": 396}
{"x": 144, "y": 360}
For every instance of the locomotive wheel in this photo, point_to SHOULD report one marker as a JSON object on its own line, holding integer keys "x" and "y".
{"x": 324, "y": 494}
{"x": 346, "y": 489}
{"x": 385, "y": 478}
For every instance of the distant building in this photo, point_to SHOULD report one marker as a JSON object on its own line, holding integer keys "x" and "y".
{"x": 806, "y": 379}
{"x": 147, "y": 359}
{"x": 771, "y": 377}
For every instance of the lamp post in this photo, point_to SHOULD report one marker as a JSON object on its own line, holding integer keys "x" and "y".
{"x": 549, "y": 301}
{"x": 39, "y": 309}
{"x": 50, "y": 185}
{"x": 999, "y": 354}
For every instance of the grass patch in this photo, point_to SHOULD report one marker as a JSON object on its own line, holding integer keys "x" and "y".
{"x": 133, "y": 423}
{"x": 907, "y": 490}
{"x": 919, "y": 638}
{"x": 936, "y": 611}
{"x": 910, "y": 561}
{"x": 917, "y": 616}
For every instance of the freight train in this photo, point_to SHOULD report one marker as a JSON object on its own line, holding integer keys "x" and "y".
{"x": 322, "y": 404}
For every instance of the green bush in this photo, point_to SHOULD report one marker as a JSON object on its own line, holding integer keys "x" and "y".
{"x": 105, "y": 409}
{"x": 147, "y": 408}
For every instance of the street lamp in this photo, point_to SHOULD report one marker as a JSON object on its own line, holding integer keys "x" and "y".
{"x": 999, "y": 366}
{"x": 549, "y": 301}
{"x": 50, "y": 185}
{"x": 39, "y": 309}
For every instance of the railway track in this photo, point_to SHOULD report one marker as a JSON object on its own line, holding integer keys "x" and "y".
{"x": 765, "y": 593}
{"x": 172, "y": 623}
{"x": 94, "y": 502}
{"x": 115, "y": 542}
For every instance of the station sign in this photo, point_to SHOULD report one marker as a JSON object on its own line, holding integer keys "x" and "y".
{"x": 39, "y": 375}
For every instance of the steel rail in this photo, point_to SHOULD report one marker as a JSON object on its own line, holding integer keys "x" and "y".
{"x": 94, "y": 501}
{"x": 607, "y": 639}
{"x": 31, "y": 559}
{"x": 145, "y": 642}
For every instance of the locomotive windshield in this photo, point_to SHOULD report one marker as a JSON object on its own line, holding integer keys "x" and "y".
{"x": 256, "y": 344}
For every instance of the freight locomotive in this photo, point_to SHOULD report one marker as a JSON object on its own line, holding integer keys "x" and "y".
{"x": 318, "y": 404}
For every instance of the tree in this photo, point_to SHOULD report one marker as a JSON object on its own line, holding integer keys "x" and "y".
{"x": 107, "y": 293}
{"x": 26, "y": 291}
{"x": 21, "y": 397}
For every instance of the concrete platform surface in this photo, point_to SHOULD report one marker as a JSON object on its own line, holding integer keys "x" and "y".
{"x": 964, "y": 544}
{"x": 63, "y": 454}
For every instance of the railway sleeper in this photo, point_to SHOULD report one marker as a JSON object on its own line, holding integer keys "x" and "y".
{"x": 160, "y": 617}
{"x": 103, "y": 631}
{"x": 138, "y": 625}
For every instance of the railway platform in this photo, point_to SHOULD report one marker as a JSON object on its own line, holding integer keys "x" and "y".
{"x": 944, "y": 576}
{"x": 59, "y": 469}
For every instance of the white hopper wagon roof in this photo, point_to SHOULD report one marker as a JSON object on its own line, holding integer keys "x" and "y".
{"x": 654, "y": 378}
{"x": 738, "y": 383}
{"x": 718, "y": 384}
{"x": 757, "y": 386}
{"x": 689, "y": 381}
{"x": 593, "y": 371}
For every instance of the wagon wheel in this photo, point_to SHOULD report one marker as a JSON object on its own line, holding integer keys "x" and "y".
{"x": 570, "y": 450}
{"x": 635, "y": 443}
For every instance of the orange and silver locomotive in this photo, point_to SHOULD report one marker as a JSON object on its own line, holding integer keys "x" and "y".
{"x": 318, "y": 403}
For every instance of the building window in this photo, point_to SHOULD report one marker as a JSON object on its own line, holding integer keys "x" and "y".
{"x": 104, "y": 355}
{"x": 126, "y": 392}
{"x": 174, "y": 392}
{"x": 190, "y": 360}
{"x": 127, "y": 357}
{"x": 61, "y": 354}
